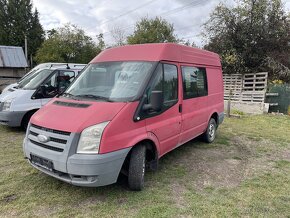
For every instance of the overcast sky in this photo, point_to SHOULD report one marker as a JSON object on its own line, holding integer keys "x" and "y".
{"x": 101, "y": 16}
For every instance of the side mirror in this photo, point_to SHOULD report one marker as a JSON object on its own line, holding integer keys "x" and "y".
{"x": 40, "y": 93}
{"x": 156, "y": 101}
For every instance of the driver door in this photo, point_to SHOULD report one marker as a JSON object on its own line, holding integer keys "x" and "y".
{"x": 57, "y": 83}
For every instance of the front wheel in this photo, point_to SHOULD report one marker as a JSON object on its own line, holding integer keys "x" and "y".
{"x": 210, "y": 133}
{"x": 137, "y": 168}
{"x": 26, "y": 119}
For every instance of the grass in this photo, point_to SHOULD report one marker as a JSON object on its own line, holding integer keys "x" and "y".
{"x": 244, "y": 173}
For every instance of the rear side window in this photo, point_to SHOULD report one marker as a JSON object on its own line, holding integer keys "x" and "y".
{"x": 194, "y": 82}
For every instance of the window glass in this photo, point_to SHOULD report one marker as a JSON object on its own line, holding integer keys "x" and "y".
{"x": 34, "y": 80}
{"x": 194, "y": 82}
{"x": 111, "y": 81}
{"x": 170, "y": 82}
{"x": 50, "y": 88}
{"x": 166, "y": 80}
{"x": 64, "y": 79}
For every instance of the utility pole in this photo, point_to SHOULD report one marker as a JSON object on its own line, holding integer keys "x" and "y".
{"x": 25, "y": 47}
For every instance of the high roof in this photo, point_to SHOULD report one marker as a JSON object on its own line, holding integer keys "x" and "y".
{"x": 11, "y": 56}
{"x": 159, "y": 52}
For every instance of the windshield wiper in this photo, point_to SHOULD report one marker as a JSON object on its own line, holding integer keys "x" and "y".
{"x": 96, "y": 97}
{"x": 65, "y": 94}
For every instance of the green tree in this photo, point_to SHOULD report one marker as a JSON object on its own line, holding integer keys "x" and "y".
{"x": 152, "y": 31}
{"x": 17, "y": 20}
{"x": 67, "y": 44}
{"x": 250, "y": 34}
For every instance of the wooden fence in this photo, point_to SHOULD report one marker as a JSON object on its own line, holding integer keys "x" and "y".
{"x": 249, "y": 87}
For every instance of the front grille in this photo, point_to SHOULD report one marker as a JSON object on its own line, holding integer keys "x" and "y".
{"x": 51, "y": 130}
{"x": 61, "y": 141}
{"x": 33, "y": 133}
{"x": 46, "y": 146}
{"x": 54, "y": 140}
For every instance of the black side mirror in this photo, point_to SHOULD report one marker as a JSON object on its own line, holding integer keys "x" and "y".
{"x": 156, "y": 101}
{"x": 40, "y": 93}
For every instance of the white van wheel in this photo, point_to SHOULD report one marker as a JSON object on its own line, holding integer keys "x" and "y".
{"x": 210, "y": 133}
{"x": 137, "y": 168}
{"x": 26, "y": 119}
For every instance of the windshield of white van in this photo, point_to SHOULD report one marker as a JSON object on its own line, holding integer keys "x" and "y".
{"x": 110, "y": 81}
{"x": 34, "y": 80}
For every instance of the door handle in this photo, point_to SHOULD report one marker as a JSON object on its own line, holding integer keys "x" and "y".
{"x": 180, "y": 108}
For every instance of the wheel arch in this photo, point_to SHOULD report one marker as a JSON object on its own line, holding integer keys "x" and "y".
{"x": 152, "y": 154}
{"x": 214, "y": 115}
{"x": 28, "y": 113}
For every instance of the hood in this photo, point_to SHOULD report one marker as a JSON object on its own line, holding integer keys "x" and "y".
{"x": 74, "y": 116}
{"x": 16, "y": 93}
{"x": 6, "y": 89}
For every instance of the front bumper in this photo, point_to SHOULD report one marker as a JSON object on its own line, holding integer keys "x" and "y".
{"x": 90, "y": 170}
{"x": 11, "y": 118}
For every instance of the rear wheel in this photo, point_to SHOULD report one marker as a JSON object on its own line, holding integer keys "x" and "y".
{"x": 137, "y": 168}
{"x": 210, "y": 133}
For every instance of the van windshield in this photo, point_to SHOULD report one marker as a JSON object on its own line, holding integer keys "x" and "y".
{"x": 34, "y": 80}
{"x": 111, "y": 81}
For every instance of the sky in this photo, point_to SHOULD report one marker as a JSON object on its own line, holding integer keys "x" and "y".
{"x": 102, "y": 16}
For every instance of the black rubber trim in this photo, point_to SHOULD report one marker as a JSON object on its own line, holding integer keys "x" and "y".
{"x": 71, "y": 104}
{"x": 51, "y": 130}
{"x": 46, "y": 146}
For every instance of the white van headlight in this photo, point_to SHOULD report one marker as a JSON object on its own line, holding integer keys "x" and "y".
{"x": 89, "y": 142}
{"x": 6, "y": 105}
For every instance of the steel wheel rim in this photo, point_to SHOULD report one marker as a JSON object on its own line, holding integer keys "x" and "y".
{"x": 211, "y": 131}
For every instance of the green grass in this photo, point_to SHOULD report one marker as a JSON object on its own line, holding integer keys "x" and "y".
{"x": 244, "y": 173}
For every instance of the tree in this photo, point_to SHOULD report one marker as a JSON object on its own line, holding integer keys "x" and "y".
{"x": 152, "y": 31}
{"x": 67, "y": 44}
{"x": 17, "y": 20}
{"x": 118, "y": 35}
{"x": 248, "y": 35}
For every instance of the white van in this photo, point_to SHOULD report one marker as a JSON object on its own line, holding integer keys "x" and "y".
{"x": 40, "y": 66}
{"x": 20, "y": 102}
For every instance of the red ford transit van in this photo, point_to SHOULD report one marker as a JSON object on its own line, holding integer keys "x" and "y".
{"x": 128, "y": 108}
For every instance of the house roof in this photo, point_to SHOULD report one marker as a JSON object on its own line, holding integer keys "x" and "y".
{"x": 159, "y": 52}
{"x": 11, "y": 56}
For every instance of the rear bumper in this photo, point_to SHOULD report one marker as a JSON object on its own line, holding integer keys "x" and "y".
{"x": 11, "y": 118}
{"x": 80, "y": 169}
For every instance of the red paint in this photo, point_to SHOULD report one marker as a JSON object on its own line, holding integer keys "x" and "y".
{"x": 157, "y": 52}
{"x": 167, "y": 130}
{"x": 72, "y": 119}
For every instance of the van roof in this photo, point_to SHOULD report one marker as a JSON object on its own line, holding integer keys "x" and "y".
{"x": 159, "y": 52}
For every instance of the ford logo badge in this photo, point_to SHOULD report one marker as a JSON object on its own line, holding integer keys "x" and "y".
{"x": 43, "y": 138}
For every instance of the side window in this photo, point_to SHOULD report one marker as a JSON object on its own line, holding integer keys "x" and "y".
{"x": 50, "y": 87}
{"x": 64, "y": 79}
{"x": 166, "y": 80}
{"x": 194, "y": 82}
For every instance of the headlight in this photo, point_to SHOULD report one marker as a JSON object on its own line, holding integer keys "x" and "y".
{"x": 6, "y": 105}
{"x": 90, "y": 139}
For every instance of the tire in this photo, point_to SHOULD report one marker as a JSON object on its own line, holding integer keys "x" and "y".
{"x": 26, "y": 119}
{"x": 210, "y": 133}
{"x": 137, "y": 168}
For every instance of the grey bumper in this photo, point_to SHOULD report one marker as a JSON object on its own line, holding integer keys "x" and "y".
{"x": 221, "y": 118}
{"x": 11, "y": 118}
{"x": 89, "y": 170}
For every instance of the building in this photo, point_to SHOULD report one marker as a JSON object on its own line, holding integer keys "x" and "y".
{"x": 12, "y": 64}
